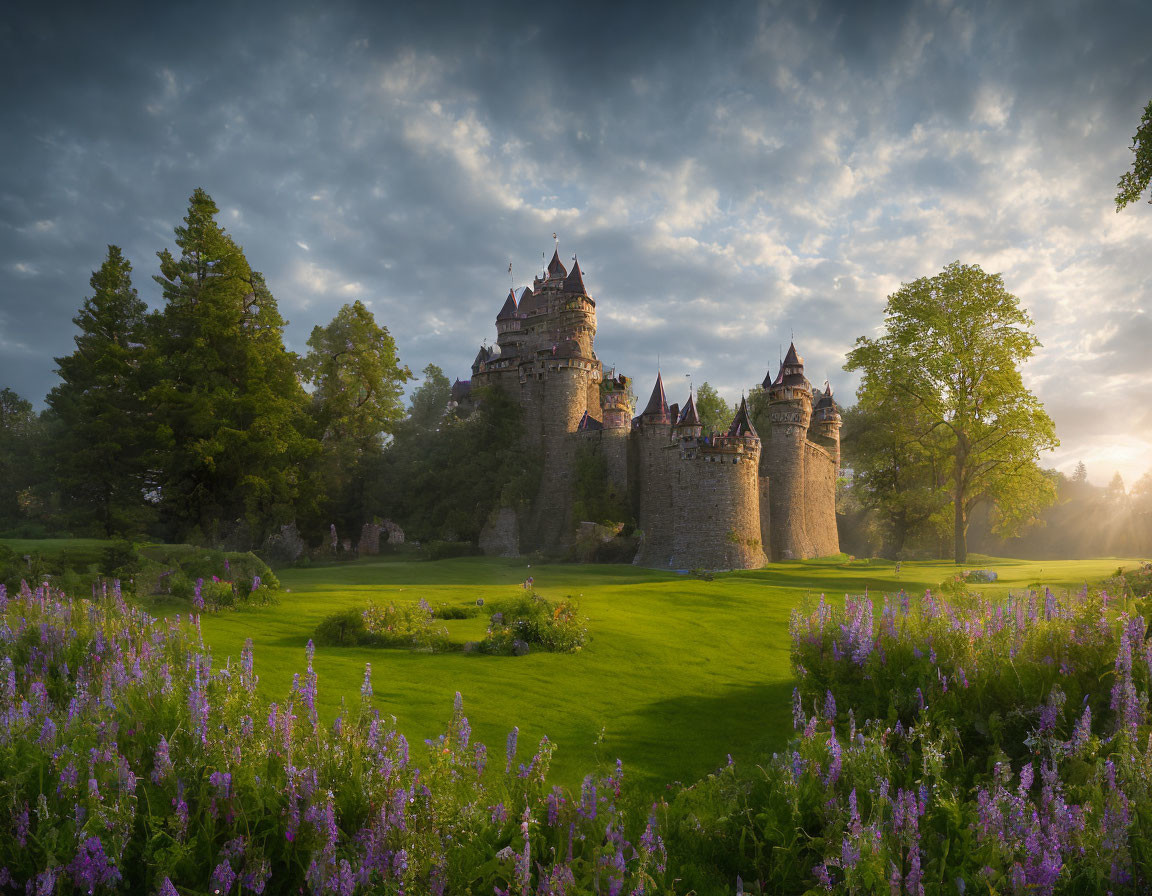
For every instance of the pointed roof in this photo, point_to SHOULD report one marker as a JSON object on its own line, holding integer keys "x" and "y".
{"x": 658, "y": 404}
{"x": 588, "y": 423}
{"x": 793, "y": 359}
{"x": 556, "y": 267}
{"x": 689, "y": 416}
{"x": 509, "y": 309}
{"x": 574, "y": 282}
{"x": 826, "y": 400}
{"x": 527, "y": 302}
{"x": 481, "y": 356}
{"x": 766, "y": 385}
{"x": 742, "y": 422}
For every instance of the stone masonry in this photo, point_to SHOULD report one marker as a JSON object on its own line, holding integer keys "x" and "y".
{"x": 702, "y": 500}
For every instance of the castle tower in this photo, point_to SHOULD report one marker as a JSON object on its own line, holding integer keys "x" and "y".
{"x": 716, "y": 514}
{"x": 824, "y": 429}
{"x": 688, "y": 423}
{"x": 656, "y": 485}
{"x": 783, "y": 459}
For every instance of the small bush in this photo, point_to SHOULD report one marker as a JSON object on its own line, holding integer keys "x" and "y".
{"x": 404, "y": 625}
{"x": 534, "y": 621}
{"x": 345, "y": 628}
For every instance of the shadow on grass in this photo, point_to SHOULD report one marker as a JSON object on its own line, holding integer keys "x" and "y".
{"x": 751, "y": 721}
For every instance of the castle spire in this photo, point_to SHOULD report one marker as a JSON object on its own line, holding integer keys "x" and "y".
{"x": 742, "y": 422}
{"x": 574, "y": 282}
{"x": 556, "y": 267}
{"x": 793, "y": 359}
{"x": 658, "y": 403}
{"x": 689, "y": 416}
{"x": 509, "y": 309}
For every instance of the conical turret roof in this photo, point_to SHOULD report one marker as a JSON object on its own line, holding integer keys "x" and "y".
{"x": 826, "y": 400}
{"x": 527, "y": 301}
{"x": 556, "y": 266}
{"x": 658, "y": 404}
{"x": 574, "y": 282}
{"x": 742, "y": 422}
{"x": 509, "y": 309}
{"x": 689, "y": 416}
{"x": 793, "y": 359}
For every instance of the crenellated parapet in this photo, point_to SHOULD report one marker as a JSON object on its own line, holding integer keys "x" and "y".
{"x": 713, "y": 500}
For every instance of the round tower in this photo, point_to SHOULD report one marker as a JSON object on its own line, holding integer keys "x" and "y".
{"x": 782, "y": 460}
{"x": 656, "y": 492}
{"x": 824, "y": 429}
{"x": 717, "y": 523}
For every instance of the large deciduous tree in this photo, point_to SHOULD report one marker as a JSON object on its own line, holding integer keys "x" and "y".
{"x": 232, "y": 412}
{"x": 951, "y": 352}
{"x": 99, "y": 452}
{"x": 358, "y": 384}
{"x": 1133, "y": 183}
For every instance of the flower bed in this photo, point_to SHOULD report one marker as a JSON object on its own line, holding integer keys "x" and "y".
{"x": 134, "y": 761}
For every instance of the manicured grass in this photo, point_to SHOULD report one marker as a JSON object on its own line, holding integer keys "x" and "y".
{"x": 678, "y": 672}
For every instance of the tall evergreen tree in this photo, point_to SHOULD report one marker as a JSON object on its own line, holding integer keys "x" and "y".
{"x": 233, "y": 415}
{"x": 99, "y": 452}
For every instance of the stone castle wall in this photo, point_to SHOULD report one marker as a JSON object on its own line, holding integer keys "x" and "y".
{"x": 560, "y": 401}
{"x": 820, "y": 510}
{"x": 783, "y": 464}
{"x": 717, "y": 512}
{"x": 655, "y": 473}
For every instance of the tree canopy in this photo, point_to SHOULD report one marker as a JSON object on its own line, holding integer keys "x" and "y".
{"x": 948, "y": 363}
{"x": 715, "y": 413}
{"x": 100, "y": 417}
{"x": 1134, "y": 182}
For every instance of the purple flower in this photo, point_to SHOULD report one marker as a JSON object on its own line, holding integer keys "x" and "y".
{"x": 91, "y": 868}
{"x": 223, "y": 877}
{"x": 510, "y": 750}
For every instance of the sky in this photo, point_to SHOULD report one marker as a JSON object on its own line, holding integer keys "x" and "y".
{"x": 730, "y": 175}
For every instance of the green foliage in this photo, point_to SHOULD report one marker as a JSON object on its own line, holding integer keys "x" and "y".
{"x": 404, "y": 625}
{"x": 949, "y": 358}
{"x": 594, "y": 498}
{"x": 533, "y": 621}
{"x": 358, "y": 384}
{"x": 441, "y": 485}
{"x": 206, "y": 787}
{"x": 430, "y": 399}
{"x": 18, "y": 431}
{"x": 715, "y": 413}
{"x": 232, "y": 430}
{"x": 1133, "y": 183}
{"x": 443, "y": 550}
{"x": 344, "y": 628}
{"x": 100, "y": 452}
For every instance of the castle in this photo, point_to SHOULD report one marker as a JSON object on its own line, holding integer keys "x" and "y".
{"x": 764, "y": 489}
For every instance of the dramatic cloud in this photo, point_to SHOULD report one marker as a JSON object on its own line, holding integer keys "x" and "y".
{"x": 727, "y": 176}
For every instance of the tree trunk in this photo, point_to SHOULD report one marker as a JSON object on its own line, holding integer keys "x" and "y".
{"x": 960, "y": 530}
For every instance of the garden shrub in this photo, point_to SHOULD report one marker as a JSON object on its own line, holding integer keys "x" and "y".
{"x": 345, "y": 628}
{"x": 533, "y": 621}
{"x": 445, "y": 611}
{"x": 405, "y": 625}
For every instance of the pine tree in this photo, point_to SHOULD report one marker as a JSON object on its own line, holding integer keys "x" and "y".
{"x": 234, "y": 424}
{"x": 17, "y": 475}
{"x": 99, "y": 452}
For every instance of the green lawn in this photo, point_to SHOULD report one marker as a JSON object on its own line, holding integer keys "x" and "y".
{"x": 678, "y": 673}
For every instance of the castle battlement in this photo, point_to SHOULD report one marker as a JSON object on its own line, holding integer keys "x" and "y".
{"x": 714, "y": 500}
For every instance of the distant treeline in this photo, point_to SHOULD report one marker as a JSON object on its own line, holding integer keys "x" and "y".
{"x": 193, "y": 423}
